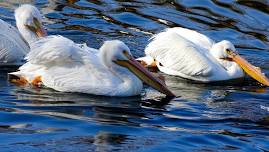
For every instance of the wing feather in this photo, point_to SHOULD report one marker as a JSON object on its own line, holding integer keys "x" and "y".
{"x": 54, "y": 50}
{"x": 13, "y": 48}
{"x": 179, "y": 56}
{"x": 193, "y": 36}
{"x": 80, "y": 78}
{"x": 66, "y": 66}
{"x": 10, "y": 53}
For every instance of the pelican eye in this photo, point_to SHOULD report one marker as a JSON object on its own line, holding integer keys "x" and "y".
{"x": 230, "y": 52}
{"x": 126, "y": 53}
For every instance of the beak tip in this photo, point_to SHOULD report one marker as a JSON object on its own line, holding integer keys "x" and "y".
{"x": 168, "y": 93}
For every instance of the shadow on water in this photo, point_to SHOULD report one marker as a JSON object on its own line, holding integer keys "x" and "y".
{"x": 204, "y": 117}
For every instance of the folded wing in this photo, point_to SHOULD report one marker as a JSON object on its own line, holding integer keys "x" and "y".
{"x": 178, "y": 55}
{"x": 13, "y": 47}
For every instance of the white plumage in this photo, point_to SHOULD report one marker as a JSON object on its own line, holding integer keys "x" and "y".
{"x": 14, "y": 44}
{"x": 65, "y": 66}
{"x": 189, "y": 54}
{"x": 13, "y": 48}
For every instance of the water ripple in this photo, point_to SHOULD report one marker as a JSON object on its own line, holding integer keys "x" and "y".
{"x": 202, "y": 117}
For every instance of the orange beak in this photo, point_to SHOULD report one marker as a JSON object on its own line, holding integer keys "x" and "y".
{"x": 255, "y": 73}
{"x": 143, "y": 74}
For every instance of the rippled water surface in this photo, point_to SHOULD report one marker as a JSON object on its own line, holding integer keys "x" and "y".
{"x": 202, "y": 118}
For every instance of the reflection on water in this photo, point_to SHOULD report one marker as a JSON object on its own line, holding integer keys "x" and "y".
{"x": 203, "y": 117}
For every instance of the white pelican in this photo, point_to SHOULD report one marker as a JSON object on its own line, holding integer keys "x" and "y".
{"x": 191, "y": 55}
{"x": 14, "y": 44}
{"x": 62, "y": 65}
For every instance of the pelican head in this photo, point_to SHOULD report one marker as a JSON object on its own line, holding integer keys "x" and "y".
{"x": 117, "y": 56}
{"x": 228, "y": 57}
{"x": 29, "y": 22}
{"x": 219, "y": 50}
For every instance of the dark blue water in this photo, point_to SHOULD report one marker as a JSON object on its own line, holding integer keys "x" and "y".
{"x": 203, "y": 118}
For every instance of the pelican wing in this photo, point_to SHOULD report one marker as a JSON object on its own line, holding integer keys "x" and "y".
{"x": 13, "y": 47}
{"x": 10, "y": 52}
{"x": 193, "y": 36}
{"x": 80, "y": 78}
{"x": 66, "y": 66}
{"x": 180, "y": 56}
{"x": 54, "y": 50}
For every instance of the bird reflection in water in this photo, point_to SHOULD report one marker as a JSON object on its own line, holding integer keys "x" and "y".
{"x": 109, "y": 110}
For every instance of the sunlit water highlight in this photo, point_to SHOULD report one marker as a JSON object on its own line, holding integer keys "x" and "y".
{"x": 202, "y": 118}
